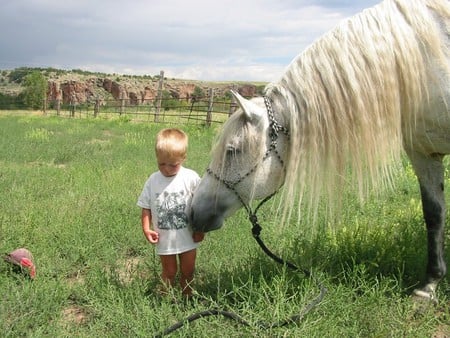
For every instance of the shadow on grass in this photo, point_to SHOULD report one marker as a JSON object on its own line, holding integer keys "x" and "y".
{"x": 350, "y": 258}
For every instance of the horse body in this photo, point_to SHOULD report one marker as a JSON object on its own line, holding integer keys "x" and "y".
{"x": 377, "y": 84}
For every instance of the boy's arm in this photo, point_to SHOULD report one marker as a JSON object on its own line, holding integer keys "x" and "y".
{"x": 146, "y": 220}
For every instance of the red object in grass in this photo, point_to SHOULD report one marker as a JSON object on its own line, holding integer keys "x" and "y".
{"x": 23, "y": 258}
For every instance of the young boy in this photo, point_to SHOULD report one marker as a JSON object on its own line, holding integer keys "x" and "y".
{"x": 163, "y": 201}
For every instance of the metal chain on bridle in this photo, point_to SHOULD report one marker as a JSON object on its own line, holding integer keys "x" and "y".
{"x": 275, "y": 129}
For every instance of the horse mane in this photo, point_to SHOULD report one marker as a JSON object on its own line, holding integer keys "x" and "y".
{"x": 352, "y": 100}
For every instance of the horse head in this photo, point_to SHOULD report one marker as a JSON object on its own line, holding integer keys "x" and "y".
{"x": 247, "y": 164}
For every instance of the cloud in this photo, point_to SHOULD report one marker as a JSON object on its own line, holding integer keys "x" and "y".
{"x": 200, "y": 39}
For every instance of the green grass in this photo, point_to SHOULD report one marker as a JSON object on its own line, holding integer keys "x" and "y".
{"x": 69, "y": 190}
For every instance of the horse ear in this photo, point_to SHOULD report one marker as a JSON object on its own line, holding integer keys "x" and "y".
{"x": 250, "y": 109}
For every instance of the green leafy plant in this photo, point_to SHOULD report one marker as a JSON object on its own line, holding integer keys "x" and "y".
{"x": 35, "y": 90}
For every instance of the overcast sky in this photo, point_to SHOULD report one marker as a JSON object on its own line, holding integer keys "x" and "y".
{"x": 249, "y": 40}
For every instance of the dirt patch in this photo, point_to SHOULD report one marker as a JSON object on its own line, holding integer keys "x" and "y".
{"x": 75, "y": 278}
{"x": 129, "y": 268}
{"x": 442, "y": 331}
{"x": 74, "y": 314}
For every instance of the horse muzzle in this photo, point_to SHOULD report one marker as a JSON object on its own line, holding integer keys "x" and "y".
{"x": 204, "y": 222}
{"x": 206, "y": 212}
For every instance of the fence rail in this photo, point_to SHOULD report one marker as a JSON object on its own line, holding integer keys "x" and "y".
{"x": 200, "y": 111}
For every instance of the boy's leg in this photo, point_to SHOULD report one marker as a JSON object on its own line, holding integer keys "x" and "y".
{"x": 169, "y": 269}
{"x": 187, "y": 267}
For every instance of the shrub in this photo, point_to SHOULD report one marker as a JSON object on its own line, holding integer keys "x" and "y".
{"x": 35, "y": 89}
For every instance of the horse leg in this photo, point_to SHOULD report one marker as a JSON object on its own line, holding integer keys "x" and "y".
{"x": 430, "y": 173}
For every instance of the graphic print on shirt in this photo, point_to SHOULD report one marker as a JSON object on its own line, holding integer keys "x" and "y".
{"x": 171, "y": 210}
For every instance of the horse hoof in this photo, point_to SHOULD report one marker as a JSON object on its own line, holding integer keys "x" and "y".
{"x": 425, "y": 294}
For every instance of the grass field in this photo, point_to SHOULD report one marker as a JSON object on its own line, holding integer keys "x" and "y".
{"x": 69, "y": 190}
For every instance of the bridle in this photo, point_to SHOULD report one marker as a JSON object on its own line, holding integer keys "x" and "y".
{"x": 274, "y": 129}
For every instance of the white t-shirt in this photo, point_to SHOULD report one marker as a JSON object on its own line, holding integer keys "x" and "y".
{"x": 167, "y": 198}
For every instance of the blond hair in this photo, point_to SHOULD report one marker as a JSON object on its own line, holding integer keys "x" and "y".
{"x": 171, "y": 143}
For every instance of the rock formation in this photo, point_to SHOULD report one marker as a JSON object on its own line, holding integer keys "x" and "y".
{"x": 79, "y": 91}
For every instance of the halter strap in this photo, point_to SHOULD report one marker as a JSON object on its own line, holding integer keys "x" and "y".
{"x": 275, "y": 128}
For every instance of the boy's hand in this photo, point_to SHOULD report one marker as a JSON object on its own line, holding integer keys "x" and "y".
{"x": 152, "y": 236}
{"x": 198, "y": 236}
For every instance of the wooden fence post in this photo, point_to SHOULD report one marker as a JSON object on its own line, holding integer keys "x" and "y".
{"x": 72, "y": 106}
{"x": 159, "y": 96}
{"x": 96, "y": 107}
{"x": 210, "y": 107}
{"x": 58, "y": 106}
{"x": 122, "y": 104}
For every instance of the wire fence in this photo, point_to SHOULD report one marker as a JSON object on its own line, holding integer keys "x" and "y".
{"x": 204, "y": 111}
{"x": 201, "y": 111}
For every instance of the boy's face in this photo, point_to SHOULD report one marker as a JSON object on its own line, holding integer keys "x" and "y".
{"x": 169, "y": 166}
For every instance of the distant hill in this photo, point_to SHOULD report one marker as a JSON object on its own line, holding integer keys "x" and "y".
{"x": 78, "y": 86}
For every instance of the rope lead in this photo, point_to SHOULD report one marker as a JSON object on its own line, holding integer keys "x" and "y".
{"x": 256, "y": 231}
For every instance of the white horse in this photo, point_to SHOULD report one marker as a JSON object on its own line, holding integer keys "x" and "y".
{"x": 377, "y": 83}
